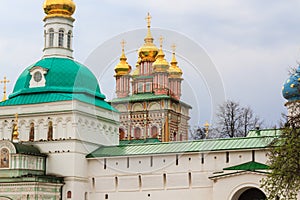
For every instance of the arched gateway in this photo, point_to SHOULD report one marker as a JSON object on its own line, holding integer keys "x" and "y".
{"x": 249, "y": 194}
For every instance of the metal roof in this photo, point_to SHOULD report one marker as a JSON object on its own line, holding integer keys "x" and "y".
{"x": 183, "y": 147}
{"x": 265, "y": 132}
{"x": 249, "y": 166}
{"x": 35, "y": 98}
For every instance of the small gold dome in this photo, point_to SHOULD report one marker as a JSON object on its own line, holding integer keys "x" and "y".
{"x": 122, "y": 68}
{"x": 148, "y": 51}
{"x": 59, "y": 8}
{"x": 174, "y": 70}
{"x": 160, "y": 64}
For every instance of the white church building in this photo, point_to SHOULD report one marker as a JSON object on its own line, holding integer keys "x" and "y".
{"x": 63, "y": 143}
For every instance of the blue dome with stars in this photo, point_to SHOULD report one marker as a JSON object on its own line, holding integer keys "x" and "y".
{"x": 291, "y": 87}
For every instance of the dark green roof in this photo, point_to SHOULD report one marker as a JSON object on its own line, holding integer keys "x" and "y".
{"x": 145, "y": 97}
{"x": 249, "y": 166}
{"x": 140, "y": 97}
{"x": 183, "y": 147}
{"x": 142, "y": 141}
{"x": 33, "y": 178}
{"x": 66, "y": 80}
{"x": 27, "y": 149}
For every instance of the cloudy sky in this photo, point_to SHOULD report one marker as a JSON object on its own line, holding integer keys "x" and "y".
{"x": 251, "y": 43}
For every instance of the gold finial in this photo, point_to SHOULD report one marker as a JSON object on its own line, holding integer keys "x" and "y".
{"x": 15, "y": 130}
{"x": 148, "y": 19}
{"x": 161, "y": 39}
{"x": 123, "y": 42}
{"x": 4, "y": 81}
{"x": 206, "y": 126}
{"x": 149, "y": 38}
{"x": 173, "y": 47}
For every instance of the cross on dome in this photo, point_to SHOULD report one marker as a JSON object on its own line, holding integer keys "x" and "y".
{"x": 4, "y": 81}
{"x": 148, "y": 19}
{"x": 161, "y": 39}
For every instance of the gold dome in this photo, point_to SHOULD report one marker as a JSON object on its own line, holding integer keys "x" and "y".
{"x": 148, "y": 51}
{"x": 59, "y": 8}
{"x": 160, "y": 64}
{"x": 122, "y": 68}
{"x": 174, "y": 70}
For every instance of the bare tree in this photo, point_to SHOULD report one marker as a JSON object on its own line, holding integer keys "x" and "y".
{"x": 233, "y": 120}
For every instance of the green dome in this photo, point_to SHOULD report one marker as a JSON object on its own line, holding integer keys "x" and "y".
{"x": 66, "y": 80}
{"x": 63, "y": 75}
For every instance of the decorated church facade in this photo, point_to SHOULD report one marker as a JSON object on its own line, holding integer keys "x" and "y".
{"x": 67, "y": 142}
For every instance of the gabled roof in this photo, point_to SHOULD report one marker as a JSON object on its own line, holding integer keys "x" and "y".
{"x": 223, "y": 144}
{"x": 249, "y": 166}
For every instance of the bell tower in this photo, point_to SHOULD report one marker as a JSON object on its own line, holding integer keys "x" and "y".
{"x": 58, "y": 28}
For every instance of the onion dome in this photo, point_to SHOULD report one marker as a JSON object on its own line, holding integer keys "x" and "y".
{"x": 290, "y": 89}
{"x": 59, "y": 8}
{"x": 174, "y": 70}
{"x": 160, "y": 64}
{"x": 122, "y": 68}
{"x": 148, "y": 51}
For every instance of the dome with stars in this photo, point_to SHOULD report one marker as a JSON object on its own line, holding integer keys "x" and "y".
{"x": 291, "y": 87}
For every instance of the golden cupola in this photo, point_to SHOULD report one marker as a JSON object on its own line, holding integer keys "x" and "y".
{"x": 160, "y": 64}
{"x": 174, "y": 70}
{"x": 59, "y": 8}
{"x": 122, "y": 68}
{"x": 148, "y": 51}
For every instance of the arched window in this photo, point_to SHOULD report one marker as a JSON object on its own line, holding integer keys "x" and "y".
{"x": 69, "y": 194}
{"x": 121, "y": 134}
{"x": 31, "y": 132}
{"x": 154, "y": 132}
{"x": 4, "y": 158}
{"x": 61, "y": 34}
{"x": 51, "y": 37}
{"x": 50, "y": 131}
{"x": 137, "y": 133}
{"x": 69, "y": 39}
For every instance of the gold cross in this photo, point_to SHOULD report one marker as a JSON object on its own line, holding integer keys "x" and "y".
{"x": 161, "y": 39}
{"x": 173, "y": 47}
{"x": 123, "y": 42}
{"x": 206, "y": 126}
{"x": 4, "y": 81}
{"x": 148, "y": 18}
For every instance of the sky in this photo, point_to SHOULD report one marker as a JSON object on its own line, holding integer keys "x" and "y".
{"x": 248, "y": 44}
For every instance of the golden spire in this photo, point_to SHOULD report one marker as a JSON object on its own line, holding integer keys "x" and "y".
{"x": 59, "y": 8}
{"x": 148, "y": 51}
{"x": 4, "y": 81}
{"x": 122, "y": 68}
{"x": 148, "y": 38}
{"x": 15, "y": 131}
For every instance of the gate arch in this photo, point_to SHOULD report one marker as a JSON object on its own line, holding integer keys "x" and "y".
{"x": 249, "y": 193}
